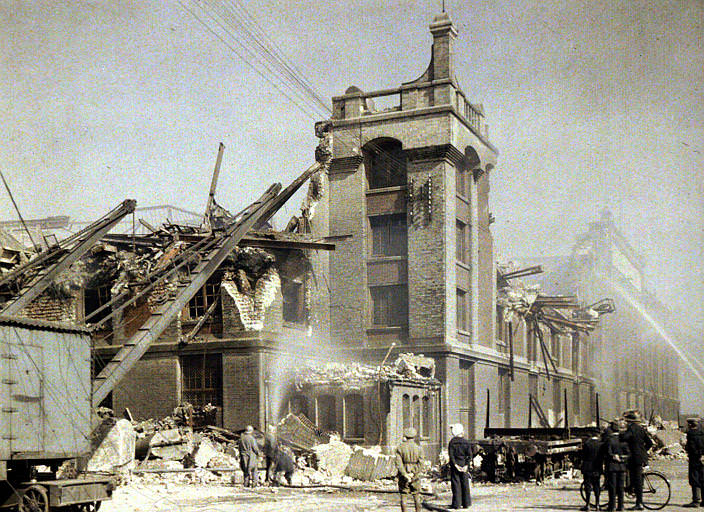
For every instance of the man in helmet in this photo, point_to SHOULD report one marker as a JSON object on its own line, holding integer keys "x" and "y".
{"x": 409, "y": 463}
{"x": 249, "y": 456}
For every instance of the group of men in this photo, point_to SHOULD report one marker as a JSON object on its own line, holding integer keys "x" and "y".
{"x": 409, "y": 461}
{"x": 278, "y": 459}
{"x": 622, "y": 448}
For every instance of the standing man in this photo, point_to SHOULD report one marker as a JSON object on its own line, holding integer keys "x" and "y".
{"x": 271, "y": 447}
{"x": 616, "y": 451}
{"x": 249, "y": 456}
{"x": 460, "y": 452}
{"x": 592, "y": 465}
{"x": 695, "y": 453}
{"x": 639, "y": 443}
{"x": 408, "y": 463}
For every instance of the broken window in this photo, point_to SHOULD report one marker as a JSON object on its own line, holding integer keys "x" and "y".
{"x": 354, "y": 416}
{"x": 201, "y": 378}
{"x": 327, "y": 413}
{"x": 203, "y": 299}
{"x": 427, "y": 417}
{"x": 294, "y": 301}
{"x": 461, "y": 241}
{"x": 94, "y": 299}
{"x": 416, "y": 412}
{"x": 385, "y": 162}
{"x": 389, "y": 235}
{"x": 389, "y": 305}
{"x": 406, "y": 411}
{"x": 298, "y": 404}
{"x": 461, "y": 310}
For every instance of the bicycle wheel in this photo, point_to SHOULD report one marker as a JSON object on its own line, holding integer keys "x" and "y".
{"x": 603, "y": 494}
{"x": 656, "y": 490}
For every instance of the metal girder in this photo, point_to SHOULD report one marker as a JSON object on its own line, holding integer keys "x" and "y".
{"x": 137, "y": 345}
{"x": 89, "y": 237}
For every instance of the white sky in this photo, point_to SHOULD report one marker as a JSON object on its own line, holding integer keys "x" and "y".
{"x": 591, "y": 104}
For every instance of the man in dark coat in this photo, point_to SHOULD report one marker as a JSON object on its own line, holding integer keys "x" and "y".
{"x": 283, "y": 463}
{"x": 639, "y": 443}
{"x": 592, "y": 465}
{"x": 616, "y": 452}
{"x": 271, "y": 447}
{"x": 695, "y": 452}
{"x": 460, "y": 452}
{"x": 409, "y": 460}
{"x": 249, "y": 456}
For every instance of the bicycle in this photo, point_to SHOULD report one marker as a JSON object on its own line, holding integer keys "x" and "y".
{"x": 656, "y": 490}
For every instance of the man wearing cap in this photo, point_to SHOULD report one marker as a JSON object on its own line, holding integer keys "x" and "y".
{"x": 617, "y": 454}
{"x": 592, "y": 466}
{"x": 695, "y": 452}
{"x": 408, "y": 462}
{"x": 249, "y": 456}
{"x": 639, "y": 443}
{"x": 460, "y": 452}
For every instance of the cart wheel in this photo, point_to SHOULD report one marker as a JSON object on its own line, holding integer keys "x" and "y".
{"x": 34, "y": 499}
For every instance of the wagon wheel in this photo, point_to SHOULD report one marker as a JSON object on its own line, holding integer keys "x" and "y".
{"x": 34, "y": 499}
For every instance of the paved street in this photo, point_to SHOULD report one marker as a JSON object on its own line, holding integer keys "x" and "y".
{"x": 556, "y": 495}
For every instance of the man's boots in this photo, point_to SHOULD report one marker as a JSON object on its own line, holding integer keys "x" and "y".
{"x": 696, "y": 498}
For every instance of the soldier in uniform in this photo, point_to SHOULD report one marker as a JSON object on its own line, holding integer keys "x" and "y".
{"x": 249, "y": 456}
{"x": 592, "y": 466}
{"x": 408, "y": 462}
{"x": 695, "y": 453}
{"x": 639, "y": 443}
{"x": 460, "y": 452}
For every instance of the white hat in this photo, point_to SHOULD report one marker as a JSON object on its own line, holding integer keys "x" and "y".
{"x": 457, "y": 429}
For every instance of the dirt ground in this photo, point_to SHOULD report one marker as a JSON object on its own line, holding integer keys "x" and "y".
{"x": 554, "y": 495}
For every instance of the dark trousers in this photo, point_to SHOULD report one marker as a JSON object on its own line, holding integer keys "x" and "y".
{"x": 616, "y": 490}
{"x": 459, "y": 482}
{"x": 591, "y": 484}
{"x": 635, "y": 473}
{"x": 270, "y": 463}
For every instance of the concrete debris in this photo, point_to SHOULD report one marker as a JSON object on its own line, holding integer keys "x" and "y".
{"x": 370, "y": 464}
{"x": 415, "y": 366}
{"x": 172, "y": 444}
{"x": 300, "y": 432}
{"x": 333, "y": 458}
{"x": 116, "y": 451}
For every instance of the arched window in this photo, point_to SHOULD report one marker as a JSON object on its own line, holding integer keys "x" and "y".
{"x": 385, "y": 163}
{"x": 406, "y": 410}
{"x": 427, "y": 417}
{"x": 416, "y": 413}
{"x": 327, "y": 414}
{"x": 354, "y": 416}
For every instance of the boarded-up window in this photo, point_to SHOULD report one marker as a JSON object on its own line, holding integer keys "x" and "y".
{"x": 389, "y": 305}
{"x": 327, "y": 413}
{"x": 389, "y": 235}
{"x": 385, "y": 163}
{"x": 406, "y": 411}
{"x": 202, "y": 379}
{"x": 461, "y": 310}
{"x": 354, "y": 416}
{"x": 293, "y": 293}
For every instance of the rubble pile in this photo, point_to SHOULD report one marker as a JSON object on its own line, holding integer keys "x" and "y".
{"x": 407, "y": 367}
{"x": 668, "y": 439}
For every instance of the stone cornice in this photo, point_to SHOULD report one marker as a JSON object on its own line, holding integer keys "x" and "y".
{"x": 345, "y": 164}
{"x": 445, "y": 151}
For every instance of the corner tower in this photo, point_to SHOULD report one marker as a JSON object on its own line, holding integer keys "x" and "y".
{"x": 408, "y": 207}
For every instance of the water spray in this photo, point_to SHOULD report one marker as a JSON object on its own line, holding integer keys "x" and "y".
{"x": 655, "y": 325}
{"x": 378, "y": 388}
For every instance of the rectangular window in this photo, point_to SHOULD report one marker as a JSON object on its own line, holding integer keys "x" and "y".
{"x": 461, "y": 310}
{"x": 389, "y": 305}
{"x": 294, "y": 300}
{"x": 389, "y": 235}
{"x": 203, "y": 299}
{"x": 94, "y": 299}
{"x": 461, "y": 241}
{"x": 201, "y": 379}
{"x": 555, "y": 348}
{"x": 460, "y": 178}
{"x": 354, "y": 416}
{"x": 327, "y": 413}
{"x": 504, "y": 390}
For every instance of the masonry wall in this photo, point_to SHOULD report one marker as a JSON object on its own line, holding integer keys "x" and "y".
{"x": 151, "y": 388}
